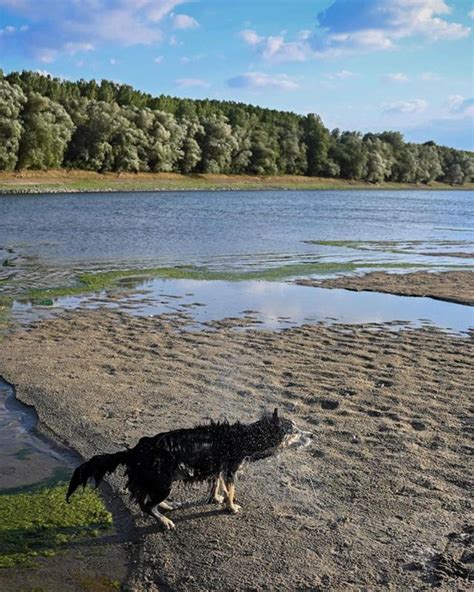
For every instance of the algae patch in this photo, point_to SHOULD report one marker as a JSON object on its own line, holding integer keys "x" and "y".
{"x": 39, "y": 522}
{"x": 97, "y": 282}
{"x": 400, "y": 247}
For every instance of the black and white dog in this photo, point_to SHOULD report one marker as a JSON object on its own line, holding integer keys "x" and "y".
{"x": 212, "y": 452}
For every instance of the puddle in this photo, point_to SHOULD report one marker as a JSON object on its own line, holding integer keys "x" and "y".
{"x": 42, "y": 545}
{"x": 273, "y": 305}
{"x": 25, "y": 457}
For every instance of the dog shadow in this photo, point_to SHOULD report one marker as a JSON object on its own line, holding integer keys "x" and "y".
{"x": 183, "y": 515}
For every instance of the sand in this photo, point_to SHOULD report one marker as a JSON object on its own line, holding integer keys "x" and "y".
{"x": 380, "y": 500}
{"x": 451, "y": 286}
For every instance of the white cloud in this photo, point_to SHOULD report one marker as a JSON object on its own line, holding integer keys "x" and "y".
{"x": 275, "y": 47}
{"x": 404, "y": 107}
{"x": 398, "y": 77}
{"x": 471, "y": 14}
{"x": 453, "y": 102}
{"x": 174, "y": 41}
{"x": 250, "y": 37}
{"x": 191, "y": 83}
{"x": 387, "y": 21}
{"x": 73, "y": 26}
{"x": 157, "y": 9}
{"x": 350, "y": 26}
{"x": 260, "y": 81}
{"x": 194, "y": 58}
{"x": 47, "y": 56}
{"x": 158, "y": 59}
{"x": 184, "y": 21}
{"x": 73, "y": 48}
{"x": 112, "y": 61}
{"x": 430, "y": 77}
{"x": 459, "y": 105}
{"x": 341, "y": 75}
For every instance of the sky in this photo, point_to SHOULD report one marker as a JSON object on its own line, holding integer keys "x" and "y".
{"x": 367, "y": 65}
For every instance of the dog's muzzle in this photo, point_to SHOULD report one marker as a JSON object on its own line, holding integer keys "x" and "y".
{"x": 306, "y": 439}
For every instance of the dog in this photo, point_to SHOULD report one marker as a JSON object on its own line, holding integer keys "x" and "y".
{"x": 212, "y": 453}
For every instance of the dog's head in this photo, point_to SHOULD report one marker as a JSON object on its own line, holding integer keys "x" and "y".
{"x": 290, "y": 436}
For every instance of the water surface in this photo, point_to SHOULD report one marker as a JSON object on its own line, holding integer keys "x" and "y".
{"x": 238, "y": 229}
{"x": 269, "y": 305}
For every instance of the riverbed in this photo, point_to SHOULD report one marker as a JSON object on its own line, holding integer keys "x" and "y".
{"x": 382, "y": 380}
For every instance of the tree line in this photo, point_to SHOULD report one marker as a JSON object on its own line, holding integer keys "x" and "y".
{"x": 47, "y": 122}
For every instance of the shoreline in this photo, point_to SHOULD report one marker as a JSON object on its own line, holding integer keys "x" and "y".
{"x": 446, "y": 286}
{"x": 377, "y": 416}
{"x": 78, "y": 181}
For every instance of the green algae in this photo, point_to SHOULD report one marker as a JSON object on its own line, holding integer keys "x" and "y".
{"x": 97, "y": 282}
{"x": 38, "y": 521}
{"x": 399, "y": 247}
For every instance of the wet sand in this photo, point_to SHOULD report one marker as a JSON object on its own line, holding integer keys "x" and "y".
{"x": 451, "y": 286}
{"x": 381, "y": 500}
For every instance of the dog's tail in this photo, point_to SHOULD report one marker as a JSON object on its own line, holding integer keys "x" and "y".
{"x": 96, "y": 468}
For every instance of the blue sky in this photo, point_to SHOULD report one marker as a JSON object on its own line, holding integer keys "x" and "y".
{"x": 361, "y": 64}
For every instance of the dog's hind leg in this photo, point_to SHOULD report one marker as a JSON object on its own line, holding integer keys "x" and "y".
{"x": 217, "y": 485}
{"x": 169, "y": 505}
{"x": 156, "y": 498}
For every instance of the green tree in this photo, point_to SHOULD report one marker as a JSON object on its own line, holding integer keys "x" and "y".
{"x": 292, "y": 150}
{"x": 264, "y": 148}
{"x": 191, "y": 152}
{"x": 12, "y": 100}
{"x": 217, "y": 144}
{"x": 316, "y": 137}
{"x": 47, "y": 131}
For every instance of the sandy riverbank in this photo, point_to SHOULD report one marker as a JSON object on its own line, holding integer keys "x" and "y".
{"x": 380, "y": 500}
{"x": 451, "y": 286}
{"x": 73, "y": 181}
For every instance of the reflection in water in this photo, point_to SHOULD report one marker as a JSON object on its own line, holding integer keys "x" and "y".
{"x": 274, "y": 305}
{"x": 25, "y": 458}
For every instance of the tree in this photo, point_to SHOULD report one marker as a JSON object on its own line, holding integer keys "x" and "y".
{"x": 166, "y": 140}
{"x": 350, "y": 153}
{"x": 191, "y": 152}
{"x": 217, "y": 144}
{"x": 107, "y": 126}
{"x": 292, "y": 150}
{"x": 428, "y": 164}
{"x": 47, "y": 131}
{"x": 379, "y": 159}
{"x": 264, "y": 148}
{"x": 91, "y": 146}
{"x": 316, "y": 138}
{"x": 12, "y": 100}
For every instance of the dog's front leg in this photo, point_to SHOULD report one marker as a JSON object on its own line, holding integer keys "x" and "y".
{"x": 163, "y": 520}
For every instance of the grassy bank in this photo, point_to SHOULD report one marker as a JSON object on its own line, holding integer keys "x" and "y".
{"x": 37, "y": 522}
{"x": 58, "y": 181}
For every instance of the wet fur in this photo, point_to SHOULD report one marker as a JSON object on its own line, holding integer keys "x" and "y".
{"x": 212, "y": 452}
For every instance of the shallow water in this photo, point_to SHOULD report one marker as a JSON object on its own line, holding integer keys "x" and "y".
{"x": 25, "y": 457}
{"x": 239, "y": 229}
{"x": 270, "y": 305}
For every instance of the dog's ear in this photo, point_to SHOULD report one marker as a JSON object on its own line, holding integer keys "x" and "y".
{"x": 275, "y": 414}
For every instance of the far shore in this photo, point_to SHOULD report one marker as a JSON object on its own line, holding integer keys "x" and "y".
{"x": 78, "y": 181}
